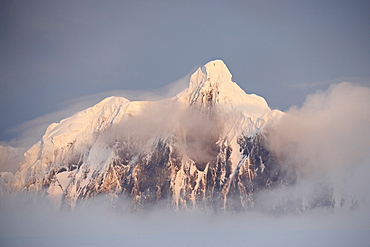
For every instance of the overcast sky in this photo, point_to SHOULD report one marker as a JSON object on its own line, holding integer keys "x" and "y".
{"x": 53, "y": 53}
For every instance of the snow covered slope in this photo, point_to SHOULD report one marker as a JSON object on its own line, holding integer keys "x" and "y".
{"x": 202, "y": 148}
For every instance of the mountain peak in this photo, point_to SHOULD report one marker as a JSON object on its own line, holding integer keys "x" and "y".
{"x": 216, "y": 70}
{"x": 212, "y": 85}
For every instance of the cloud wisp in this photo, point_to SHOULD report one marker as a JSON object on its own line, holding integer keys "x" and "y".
{"x": 28, "y": 133}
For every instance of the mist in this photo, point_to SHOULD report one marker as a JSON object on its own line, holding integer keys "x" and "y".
{"x": 330, "y": 130}
{"x": 29, "y": 222}
{"x": 327, "y": 142}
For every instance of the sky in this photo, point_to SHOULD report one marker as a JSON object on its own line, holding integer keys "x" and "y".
{"x": 57, "y": 57}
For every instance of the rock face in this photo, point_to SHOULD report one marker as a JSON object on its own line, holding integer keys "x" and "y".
{"x": 205, "y": 147}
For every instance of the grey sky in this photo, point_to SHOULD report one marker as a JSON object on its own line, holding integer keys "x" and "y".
{"x": 52, "y": 52}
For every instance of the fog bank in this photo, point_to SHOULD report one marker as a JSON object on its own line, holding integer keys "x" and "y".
{"x": 26, "y": 222}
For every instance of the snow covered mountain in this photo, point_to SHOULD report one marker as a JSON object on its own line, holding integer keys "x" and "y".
{"x": 202, "y": 148}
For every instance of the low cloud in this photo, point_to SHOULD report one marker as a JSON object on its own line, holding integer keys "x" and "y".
{"x": 10, "y": 158}
{"x": 27, "y": 221}
{"x": 327, "y": 141}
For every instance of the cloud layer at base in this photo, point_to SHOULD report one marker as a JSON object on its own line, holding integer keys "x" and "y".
{"x": 26, "y": 222}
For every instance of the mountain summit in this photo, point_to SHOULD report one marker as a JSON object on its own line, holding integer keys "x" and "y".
{"x": 212, "y": 85}
{"x": 202, "y": 148}
{"x": 217, "y": 69}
